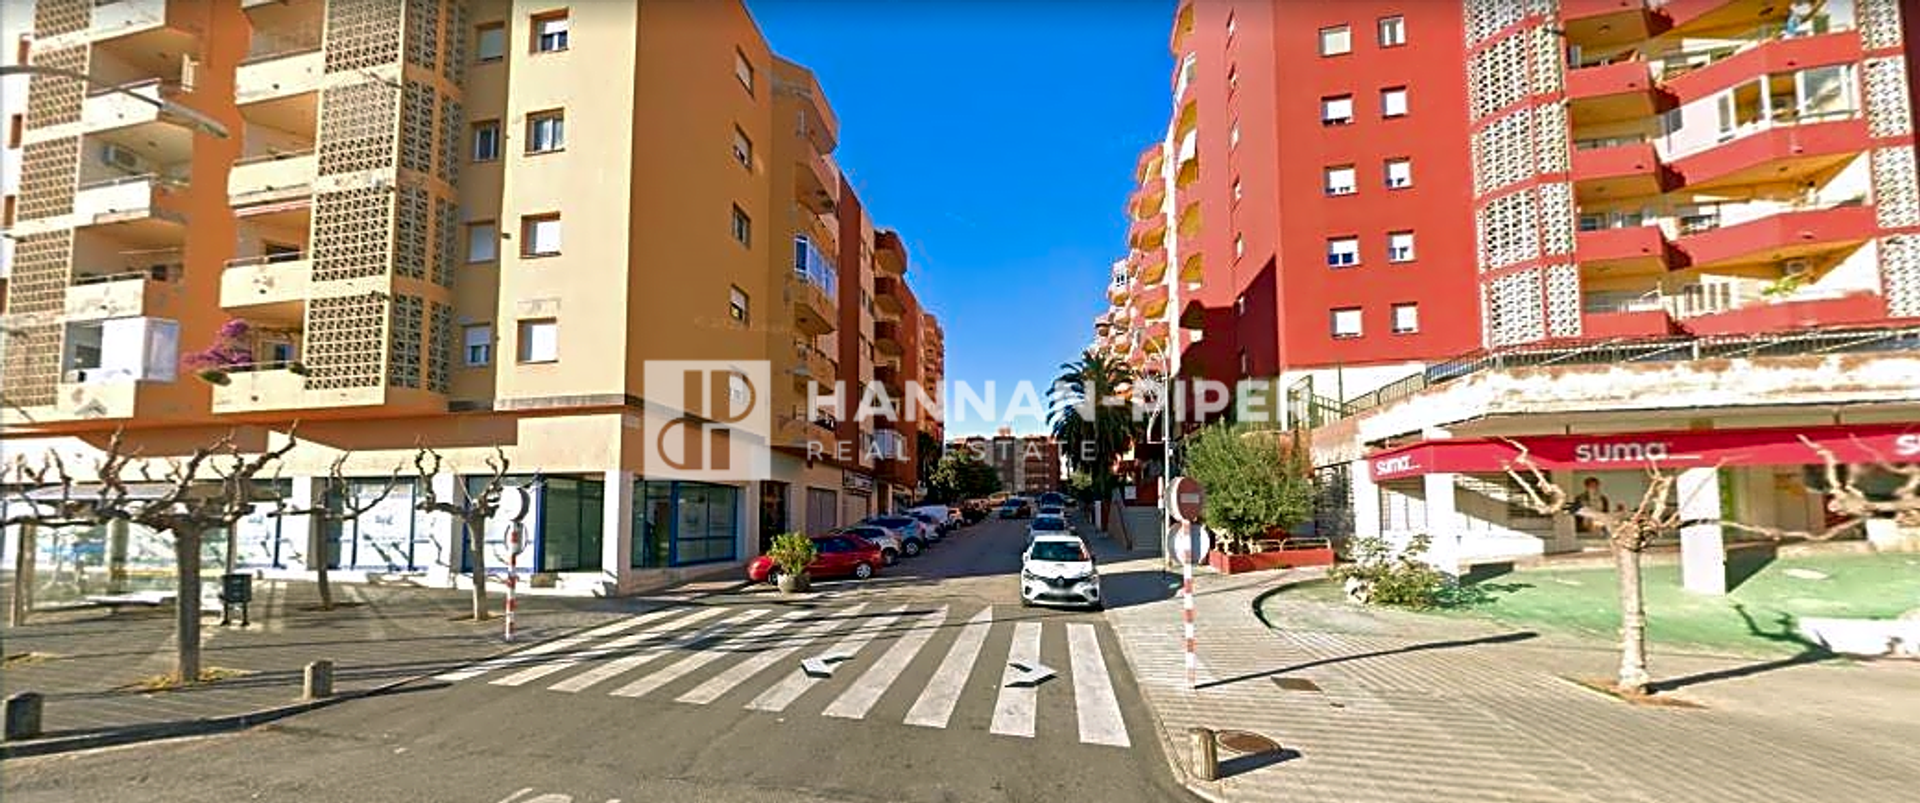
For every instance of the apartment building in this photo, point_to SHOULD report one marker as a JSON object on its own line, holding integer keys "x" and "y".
{"x": 465, "y": 224}
{"x": 14, "y": 42}
{"x": 1688, "y": 218}
{"x": 1026, "y": 464}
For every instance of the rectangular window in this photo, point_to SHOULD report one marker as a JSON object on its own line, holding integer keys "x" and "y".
{"x": 540, "y": 340}
{"x": 1400, "y": 246}
{"x": 486, "y": 140}
{"x": 479, "y": 342}
{"x": 1336, "y": 40}
{"x": 1230, "y": 25}
{"x": 742, "y": 227}
{"x": 1239, "y": 246}
{"x": 742, "y": 148}
{"x": 1336, "y": 110}
{"x": 490, "y": 42}
{"x": 16, "y": 129}
{"x": 550, "y": 32}
{"x": 737, "y": 304}
{"x": 743, "y": 70}
{"x": 1346, "y": 322}
{"x": 540, "y": 235}
{"x": 1233, "y": 135}
{"x": 7, "y": 211}
{"x": 1340, "y": 180}
{"x": 1393, "y": 101}
{"x": 1236, "y": 189}
{"x": 1399, "y": 173}
{"x": 1343, "y": 252}
{"x": 1233, "y": 77}
{"x": 546, "y": 131}
{"x": 483, "y": 242}
{"x": 1393, "y": 31}
{"x": 1406, "y": 319}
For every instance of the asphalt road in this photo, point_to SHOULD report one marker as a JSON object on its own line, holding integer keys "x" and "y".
{"x": 668, "y": 706}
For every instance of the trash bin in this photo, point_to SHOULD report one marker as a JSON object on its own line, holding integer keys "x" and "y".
{"x": 236, "y": 588}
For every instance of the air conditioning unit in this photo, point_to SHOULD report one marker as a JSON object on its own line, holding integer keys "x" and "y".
{"x": 1795, "y": 267}
{"x": 120, "y": 158}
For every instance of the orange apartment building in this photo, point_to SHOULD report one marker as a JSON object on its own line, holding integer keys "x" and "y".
{"x": 413, "y": 232}
{"x": 1692, "y": 240}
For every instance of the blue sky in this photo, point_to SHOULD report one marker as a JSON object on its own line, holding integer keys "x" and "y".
{"x": 999, "y": 138}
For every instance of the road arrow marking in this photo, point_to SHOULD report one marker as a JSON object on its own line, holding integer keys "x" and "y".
{"x": 821, "y": 666}
{"x": 1031, "y": 675}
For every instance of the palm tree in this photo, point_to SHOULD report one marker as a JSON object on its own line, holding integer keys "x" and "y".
{"x": 1091, "y": 423}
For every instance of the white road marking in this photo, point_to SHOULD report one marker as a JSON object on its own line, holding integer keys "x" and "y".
{"x": 739, "y": 673}
{"x": 682, "y": 667}
{"x": 545, "y": 668}
{"x": 786, "y": 691}
{"x": 1093, "y": 697}
{"x": 518, "y": 657}
{"x": 857, "y": 701}
{"x": 935, "y": 706}
{"x": 1013, "y": 712}
{"x": 628, "y": 662}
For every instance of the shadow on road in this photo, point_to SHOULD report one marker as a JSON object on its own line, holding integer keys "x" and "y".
{"x": 1811, "y": 652}
{"x": 1502, "y": 638}
{"x": 1240, "y": 765}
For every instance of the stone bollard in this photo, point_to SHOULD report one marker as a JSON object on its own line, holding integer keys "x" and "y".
{"x": 23, "y": 716}
{"x": 319, "y": 680}
{"x": 1206, "y": 754}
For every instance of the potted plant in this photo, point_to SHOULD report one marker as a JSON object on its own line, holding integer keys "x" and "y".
{"x": 1259, "y": 485}
{"x": 792, "y": 553}
{"x": 229, "y": 350}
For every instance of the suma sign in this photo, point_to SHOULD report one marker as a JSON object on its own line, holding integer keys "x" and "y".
{"x": 1863, "y": 443}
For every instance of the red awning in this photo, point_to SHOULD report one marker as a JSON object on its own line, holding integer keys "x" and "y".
{"x": 1865, "y": 443}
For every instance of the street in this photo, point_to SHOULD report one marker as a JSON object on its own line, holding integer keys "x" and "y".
{"x": 915, "y": 696}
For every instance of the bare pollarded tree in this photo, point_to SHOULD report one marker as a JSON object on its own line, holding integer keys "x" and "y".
{"x": 1631, "y": 529}
{"x": 211, "y": 489}
{"x": 471, "y": 511}
{"x": 324, "y": 511}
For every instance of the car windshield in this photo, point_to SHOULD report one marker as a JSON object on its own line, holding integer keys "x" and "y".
{"x": 1063, "y": 551}
{"x": 1050, "y": 525}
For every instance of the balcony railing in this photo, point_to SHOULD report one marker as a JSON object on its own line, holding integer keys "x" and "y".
{"x": 815, "y": 268}
{"x": 276, "y": 42}
{"x": 1672, "y": 64}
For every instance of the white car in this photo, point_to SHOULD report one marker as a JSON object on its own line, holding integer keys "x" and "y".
{"x": 1058, "y": 568}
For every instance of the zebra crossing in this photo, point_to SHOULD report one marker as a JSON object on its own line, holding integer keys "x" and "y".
{"x": 754, "y": 655}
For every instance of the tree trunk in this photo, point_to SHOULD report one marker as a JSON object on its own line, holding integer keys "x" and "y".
{"x": 119, "y": 536}
{"x": 477, "y": 556}
{"x": 1633, "y": 622}
{"x": 25, "y": 551}
{"x": 186, "y": 604}
{"x": 233, "y": 547}
{"x": 320, "y": 553}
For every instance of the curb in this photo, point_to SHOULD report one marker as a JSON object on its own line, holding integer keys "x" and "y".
{"x": 1168, "y": 750}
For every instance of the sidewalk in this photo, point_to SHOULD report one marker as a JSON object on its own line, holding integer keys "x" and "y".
{"x": 90, "y": 664}
{"x": 1401, "y": 707}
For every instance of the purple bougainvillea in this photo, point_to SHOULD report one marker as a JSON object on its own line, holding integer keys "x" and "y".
{"x": 229, "y": 349}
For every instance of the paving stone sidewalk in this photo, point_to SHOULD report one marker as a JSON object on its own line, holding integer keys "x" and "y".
{"x": 90, "y": 664}
{"x": 1408, "y": 708}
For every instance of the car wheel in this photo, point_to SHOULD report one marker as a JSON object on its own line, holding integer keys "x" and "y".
{"x": 912, "y": 548}
{"x": 890, "y": 557}
{"x": 863, "y": 570}
{"x": 773, "y": 579}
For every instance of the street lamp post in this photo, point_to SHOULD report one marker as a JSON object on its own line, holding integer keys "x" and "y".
{"x": 194, "y": 119}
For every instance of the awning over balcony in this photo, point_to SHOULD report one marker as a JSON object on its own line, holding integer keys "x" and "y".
{"x": 1865, "y": 443}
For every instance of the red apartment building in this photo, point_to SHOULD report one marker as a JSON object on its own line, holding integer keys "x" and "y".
{"x": 1681, "y": 232}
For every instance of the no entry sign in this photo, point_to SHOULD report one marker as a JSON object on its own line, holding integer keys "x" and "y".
{"x": 1188, "y": 499}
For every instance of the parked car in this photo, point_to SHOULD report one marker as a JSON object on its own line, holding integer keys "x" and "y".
{"x": 1059, "y": 568}
{"x": 939, "y": 525}
{"x": 1052, "y": 510}
{"x": 944, "y": 518}
{"x": 840, "y": 555}
{"x": 1016, "y": 509}
{"x": 912, "y": 533}
{"x": 1053, "y": 499}
{"x": 889, "y": 543}
{"x": 1048, "y": 525}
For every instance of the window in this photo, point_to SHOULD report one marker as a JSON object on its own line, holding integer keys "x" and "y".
{"x": 1346, "y": 322}
{"x": 1233, "y": 135}
{"x": 16, "y": 128}
{"x": 483, "y": 242}
{"x": 550, "y": 32}
{"x": 490, "y": 42}
{"x": 540, "y": 235}
{"x": 1230, "y": 25}
{"x": 742, "y": 227}
{"x": 1343, "y": 252}
{"x": 1246, "y": 365}
{"x": 1233, "y": 77}
{"x": 546, "y": 131}
{"x": 1236, "y": 188}
{"x": 540, "y": 340}
{"x": 1239, "y": 305}
{"x": 1393, "y": 31}
{"x": 1340, "y": 180}
{"x": 742, "y": 148}
{"x": 486, "y": 140}
{"x": 737, "y": 304}
{"x": 1400, "y": 246}
{"x": 743, "y": 70}
{"x": 1239, "y": 246}
{"x": 1336, "y": 40}
{"x": 7, "y": 209}
{"x": 1406, "y": 319}
{"x": 479, "y": 340}
{"x": 1336, "y": 110}
{"x": 1393, "y": 101}
{"x": 1399, "y": 173}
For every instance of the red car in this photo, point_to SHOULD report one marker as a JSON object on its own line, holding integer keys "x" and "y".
{"x": 840, "y": 555}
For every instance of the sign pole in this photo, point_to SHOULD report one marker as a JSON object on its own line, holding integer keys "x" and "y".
{"x": 516, "y": 538}
{"x": 1186, "y": 600}
{"x": 1186, "y": 500}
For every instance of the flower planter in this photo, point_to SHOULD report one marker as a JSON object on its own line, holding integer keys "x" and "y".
{"x": 1285, "y": 558}
{"x": 215, "y": 377}
{"x": 794, "y": 583}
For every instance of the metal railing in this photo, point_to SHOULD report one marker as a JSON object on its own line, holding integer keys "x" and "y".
{"x": 273, "y": 155}
{"x": 155, "y": 273}
{"x": 266, "y": 259}
{"x": 1672, "y": 64}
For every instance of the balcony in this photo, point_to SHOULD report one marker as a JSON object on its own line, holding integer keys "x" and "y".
{"x": 1149, "y": 233}
{"x": 280, "y": 66}
{"x": 1608, "y": 169}
{"x": 1156, "y": 339}
{"x": 1614, "y": 92}
{"x": 1182, "y": 27}
{"x": 1597, "y": 24}
{"x": 816, "y": 185}
{"x": 889, "y": 253}
{"x": 1119, "y": 292}
{"x": 1151, "y": 266}
{"x": 109, "y": 109}
{"x": 1790, "y": 148}
{"x": 887, "y": 338}
{"x": 271, "y": 177}
{"x": 124, "y": 295}
{"x": 1149, "y": 199}
{"x": 1148, "y": 166}
{"x": 262, "y": 387}
{"x": 1700, "y": 72}
{"x": 889, "y": 378}
{"x": 144, "y": 20}
{"x": 811, "y": 366}
{"x": 1626, "y": 249}
{"x": 1153, "y": 300}
{"x": 1788, "y": 234}
{"x": 1189, "y": 219}
{"x": 270, "y": 285}
{"x": 1803, "y": 310}
{"x": 139, "y": 202}
{"x": 813, "y": 287}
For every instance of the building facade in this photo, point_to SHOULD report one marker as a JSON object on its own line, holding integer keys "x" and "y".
{"x": 412, "y": 234}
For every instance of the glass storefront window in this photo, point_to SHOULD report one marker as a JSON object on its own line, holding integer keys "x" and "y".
{"x": 682, "y": 523}
{"x": 570, "y": 518}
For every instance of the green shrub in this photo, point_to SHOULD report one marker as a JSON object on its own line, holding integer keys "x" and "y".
{"x": 793, "y": 553}
{"x": 1397, "y": 579}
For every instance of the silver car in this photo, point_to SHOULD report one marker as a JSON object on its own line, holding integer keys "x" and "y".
{"x": 882, "y": 537}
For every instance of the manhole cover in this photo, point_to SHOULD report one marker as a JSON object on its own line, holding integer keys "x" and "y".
{"x": 1296, "y": 684}
{"x": 1246, "y": 742}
